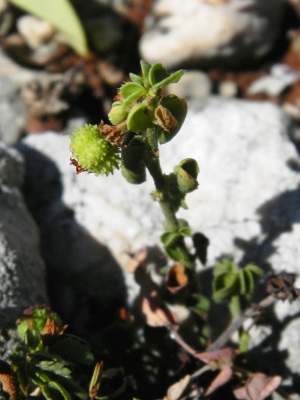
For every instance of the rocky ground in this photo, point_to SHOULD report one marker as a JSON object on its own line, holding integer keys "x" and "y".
{"x": 65, "y": 237}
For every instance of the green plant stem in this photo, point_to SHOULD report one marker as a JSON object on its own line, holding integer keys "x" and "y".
{"x": 235, "y": 306}
{"x": 154, "y": 167}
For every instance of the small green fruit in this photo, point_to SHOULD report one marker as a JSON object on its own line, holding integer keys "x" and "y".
{"x": 93, "y": 152}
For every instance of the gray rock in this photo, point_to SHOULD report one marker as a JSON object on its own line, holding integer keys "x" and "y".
{"x": 22, "y": 271}
{"x": 231, "y": 33}
{"x": 83, "y": 276}
{"x": 12, "y": 111}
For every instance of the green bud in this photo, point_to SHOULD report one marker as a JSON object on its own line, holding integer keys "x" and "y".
{"x": 186, "y": 173}
{"x": 118, "y": 113}
{"x": 93, "y": 152}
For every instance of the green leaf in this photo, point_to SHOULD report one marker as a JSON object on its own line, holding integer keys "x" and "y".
{"x": 60, "y": 14}
{"x": 169, "y": 238}
{"x": 243, "y": 286}
{"x": 55, "y": 391}
{"x": 173, "y": 78}
{"x": 255, "y": 269}
{"x": 203, "y": 302}
{"x": 244, "y": 342}
{"x": 138, "y": 119}
{"x": 157, "y": 74}
{"x": 22, "y": 328}
{"x": 136, "y": 78}
{"x": 55, "y": 367}
{"x": 225, "y": 286}
{"x": 145, "y": 67}
{"x": 185, "y": 231}
{"x": 33, "y": 339}
{"x": 224, "y": 266}
{"x": 73, "y": 349}
{"x": 131, "y": 92}
{"x": 250, "y": 281}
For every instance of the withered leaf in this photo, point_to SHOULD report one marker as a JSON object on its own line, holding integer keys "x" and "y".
{"x": 175, "y": 391}
{"x": 258, "y": 387}
{"x": 223, "y": 377}
{"x": 176, "y": 278}
{"x": 225, "y": 355}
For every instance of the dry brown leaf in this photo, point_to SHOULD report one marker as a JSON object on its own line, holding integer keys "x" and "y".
{"x": 223, "y": 377}
{"x": 175, "y": 391}
{"x": 176, "y": 278}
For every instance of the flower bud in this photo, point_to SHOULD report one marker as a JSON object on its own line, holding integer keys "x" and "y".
{"x": 186, "y": 173}
{"x": 170, "y": 115}
{"x": 118, "y": 113}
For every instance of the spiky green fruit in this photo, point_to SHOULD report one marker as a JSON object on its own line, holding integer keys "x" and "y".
{"x": 93, "y": 152}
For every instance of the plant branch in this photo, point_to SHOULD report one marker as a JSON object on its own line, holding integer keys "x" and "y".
{"x": 238, "y": 322}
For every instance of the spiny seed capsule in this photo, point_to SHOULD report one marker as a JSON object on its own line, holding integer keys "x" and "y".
{"x": 93, "y": 152}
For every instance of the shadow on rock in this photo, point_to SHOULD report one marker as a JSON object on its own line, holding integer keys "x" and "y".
{"x": 85, "y": 283}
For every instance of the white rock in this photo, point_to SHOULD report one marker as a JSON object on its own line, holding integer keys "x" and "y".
{"x": 34, "y": 30}
{"x": 205, "y": 33}
{"x": 281, "y": 76}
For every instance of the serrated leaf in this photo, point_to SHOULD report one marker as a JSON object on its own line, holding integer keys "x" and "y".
{"x": 131, "y": 92}
{"x": 60, "y": 14}
{"x": 173, "y": 78}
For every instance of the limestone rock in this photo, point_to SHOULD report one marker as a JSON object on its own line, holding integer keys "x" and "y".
{"x": 22, "y": 271}
{"x": 12, "y": 111}
{"x": 193, "y": 32}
